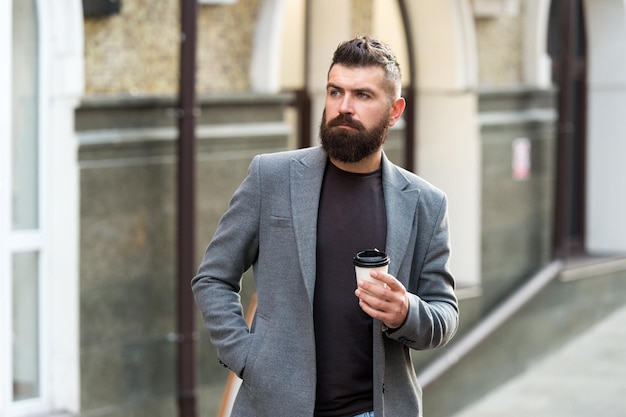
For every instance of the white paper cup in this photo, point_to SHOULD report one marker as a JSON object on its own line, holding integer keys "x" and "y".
{"x": 370, "y": 260}
{"x": 363, "y": 274}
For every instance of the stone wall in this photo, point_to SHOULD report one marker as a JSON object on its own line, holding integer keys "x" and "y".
{"x": 500, "y": 51}
{"x": 516, "y": 216}
{"x": 128, "y": 249}
{"x": 136, "y": 51}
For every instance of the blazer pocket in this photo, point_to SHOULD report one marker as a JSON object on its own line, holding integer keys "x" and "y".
{"x": 248, "y": 374}
{"x": 283, "y": 222}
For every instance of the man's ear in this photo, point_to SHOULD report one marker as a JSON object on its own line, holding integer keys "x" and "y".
{"x": 397, "y": 108}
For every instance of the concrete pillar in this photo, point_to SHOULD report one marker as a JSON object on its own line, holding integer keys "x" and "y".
{"x": 448, "y": 148}
{"x": 329, "y": 24}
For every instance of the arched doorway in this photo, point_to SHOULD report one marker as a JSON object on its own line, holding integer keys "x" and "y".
{"x": 443, "y": 80}
{"x": 588, "y": 59}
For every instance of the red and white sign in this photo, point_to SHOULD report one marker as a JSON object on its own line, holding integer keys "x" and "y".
{"x": 521, "y": 161}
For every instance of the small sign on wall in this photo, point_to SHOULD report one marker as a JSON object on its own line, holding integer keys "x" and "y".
{"x": 521, "y": 160}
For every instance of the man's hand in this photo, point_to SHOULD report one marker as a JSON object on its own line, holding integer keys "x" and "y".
{"x": 387, "y": 302}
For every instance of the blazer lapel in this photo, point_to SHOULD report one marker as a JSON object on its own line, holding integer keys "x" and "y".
{"x": 306, "y": 184}
{"x": 306, "y": 176}
{"x": 400, "y": 201}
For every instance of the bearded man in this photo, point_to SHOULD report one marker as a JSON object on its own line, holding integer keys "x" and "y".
{"x": 323, "y": 344}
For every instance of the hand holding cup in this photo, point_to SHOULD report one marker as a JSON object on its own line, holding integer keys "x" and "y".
{"x": 390, "y": 303}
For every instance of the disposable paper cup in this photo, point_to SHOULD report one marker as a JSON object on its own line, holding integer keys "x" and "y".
{"x": 370, "y": 260}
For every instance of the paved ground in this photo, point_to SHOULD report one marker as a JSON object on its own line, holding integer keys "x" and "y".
{"x": 585, "y": 378}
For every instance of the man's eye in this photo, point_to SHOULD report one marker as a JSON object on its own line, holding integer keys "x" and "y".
{"x": 363, "y": 95}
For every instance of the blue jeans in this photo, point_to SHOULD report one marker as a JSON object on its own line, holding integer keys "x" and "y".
{"x": 367, "y": 414}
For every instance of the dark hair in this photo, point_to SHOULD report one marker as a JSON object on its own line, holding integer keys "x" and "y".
{"x": 364, "y": 51}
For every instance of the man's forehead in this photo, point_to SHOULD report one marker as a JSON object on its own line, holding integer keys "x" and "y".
{"x": 356, "y": 77}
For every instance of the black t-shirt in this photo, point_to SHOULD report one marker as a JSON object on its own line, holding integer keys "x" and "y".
{"x": 351, "y": 218}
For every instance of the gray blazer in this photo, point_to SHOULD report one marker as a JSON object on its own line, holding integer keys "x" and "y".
{"x": 271, "y": 225}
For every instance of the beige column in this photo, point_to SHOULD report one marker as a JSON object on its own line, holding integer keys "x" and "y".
{"x": 329, "y": 24}
{"x": 448, "y": 147}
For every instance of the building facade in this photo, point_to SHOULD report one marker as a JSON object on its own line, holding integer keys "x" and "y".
{"x": 88, "y": 173}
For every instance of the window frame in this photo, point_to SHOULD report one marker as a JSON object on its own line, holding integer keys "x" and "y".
{"x": 27, "y": 240}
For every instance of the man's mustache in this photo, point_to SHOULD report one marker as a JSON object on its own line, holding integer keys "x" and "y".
{"x": 345, "y": 120}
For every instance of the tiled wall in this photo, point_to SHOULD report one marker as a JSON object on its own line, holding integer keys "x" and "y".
{"x": 128, "y": 247}
{"x": 516, "y": 214}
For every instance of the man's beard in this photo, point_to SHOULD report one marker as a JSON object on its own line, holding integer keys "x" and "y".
{"x": 346, "y": 145}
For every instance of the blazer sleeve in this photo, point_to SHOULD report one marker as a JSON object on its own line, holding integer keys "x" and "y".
{"x": 216, "y": 287}
{"x": 433, "y": 316}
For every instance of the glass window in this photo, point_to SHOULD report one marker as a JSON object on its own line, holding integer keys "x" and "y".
{"x": 25, "y": 325}
{"x": 25, "y": 99}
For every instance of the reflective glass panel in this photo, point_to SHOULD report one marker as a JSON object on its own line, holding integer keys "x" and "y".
{"x": 25, "y": 325}
{"x": 25, "y": 118}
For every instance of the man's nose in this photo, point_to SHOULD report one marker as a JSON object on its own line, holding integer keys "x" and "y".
{"x": 346, "y": 106}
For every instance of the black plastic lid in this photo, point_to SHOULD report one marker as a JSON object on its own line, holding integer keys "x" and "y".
{"x": 371, "y": 258}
